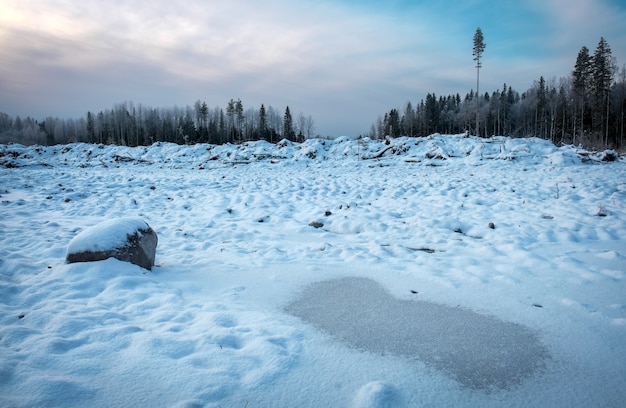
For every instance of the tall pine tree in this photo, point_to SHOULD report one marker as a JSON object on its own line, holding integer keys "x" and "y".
{"x": 479, "y": 48}
{"x": 540, "y": 112}
{"x": 262, "y": 122}
{"x": 288, "y": 132}
{"x": 603, "y": 70}
{"x": 581, "y": 77}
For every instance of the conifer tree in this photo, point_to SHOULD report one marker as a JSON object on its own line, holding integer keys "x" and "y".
{"x": 262, "y": 122}
{"x": 239, "y": 117}
{"x": 479, "y": 48}
{"x": 230, "y": 112}
{"x": 580, "y": 82}
{"x": 540, "y": 112}
{"x": 90, "y": 127}
{"x": 288, "y": 132}
{"x": 602, "y": 67}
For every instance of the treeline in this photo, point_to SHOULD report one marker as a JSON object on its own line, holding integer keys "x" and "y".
{"x": 127, "y": 124}
{"x": 586, "y": 107}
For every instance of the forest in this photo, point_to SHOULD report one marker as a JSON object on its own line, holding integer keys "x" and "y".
{"x": 585, "y": 107}
{"x": 130, "y": 125}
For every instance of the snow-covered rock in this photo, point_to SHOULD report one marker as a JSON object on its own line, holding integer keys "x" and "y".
{"x": 127, "y": 239}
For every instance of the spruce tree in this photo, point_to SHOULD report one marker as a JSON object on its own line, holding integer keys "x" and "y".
{"x": 90, "y": 127}
{"x": 262, "y": 122}
{"x": 230, "y": 112}
{"x": 580, "y": 81}
{"x": 239, "y": 117}
{"x": 288, "y": 132}
{"x": 540, "y": 113}
{"x": 602, "y": 67}
{"x": 479, "y": 48}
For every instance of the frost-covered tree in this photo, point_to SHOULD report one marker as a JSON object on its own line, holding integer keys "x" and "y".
{"x": 309, "y": 127}
{"x": 409, "y": 120}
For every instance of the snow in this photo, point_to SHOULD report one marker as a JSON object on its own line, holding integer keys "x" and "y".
{"x": 377, "y": 394}
{"x": 108, "y": 235}
{"x": 214, "y": 323}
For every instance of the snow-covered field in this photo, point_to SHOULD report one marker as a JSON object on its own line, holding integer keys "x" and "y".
{"x": 421, "y": 300}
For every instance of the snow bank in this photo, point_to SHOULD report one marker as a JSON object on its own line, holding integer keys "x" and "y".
{"x": 431, "y": 149}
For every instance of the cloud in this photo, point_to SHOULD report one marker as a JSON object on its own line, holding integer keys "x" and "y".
{"x": 343, "y": 62}
{"x": 581, "y": 22}
{"x": 273, "y": 50}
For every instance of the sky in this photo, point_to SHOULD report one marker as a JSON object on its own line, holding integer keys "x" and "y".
{"x": 343, "y": 62}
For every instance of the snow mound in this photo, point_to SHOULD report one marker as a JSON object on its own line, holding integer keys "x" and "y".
{"x": 429, "y": 150}
{"x": 140, "y": 339}
{"x": 377, "y": 394}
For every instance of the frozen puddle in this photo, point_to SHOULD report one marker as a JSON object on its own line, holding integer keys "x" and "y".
{"x": 481, "y": 352}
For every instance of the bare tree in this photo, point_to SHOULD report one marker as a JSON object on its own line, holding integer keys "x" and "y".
{"x": 309, "y": 127}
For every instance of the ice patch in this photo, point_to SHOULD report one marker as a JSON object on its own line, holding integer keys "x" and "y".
{"x": 481, "y": 352}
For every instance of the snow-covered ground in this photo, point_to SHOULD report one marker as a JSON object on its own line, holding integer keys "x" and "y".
{"x": 249, "y": 237}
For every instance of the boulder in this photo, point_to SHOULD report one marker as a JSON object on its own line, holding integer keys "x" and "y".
{"x": 127, "y": 239}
